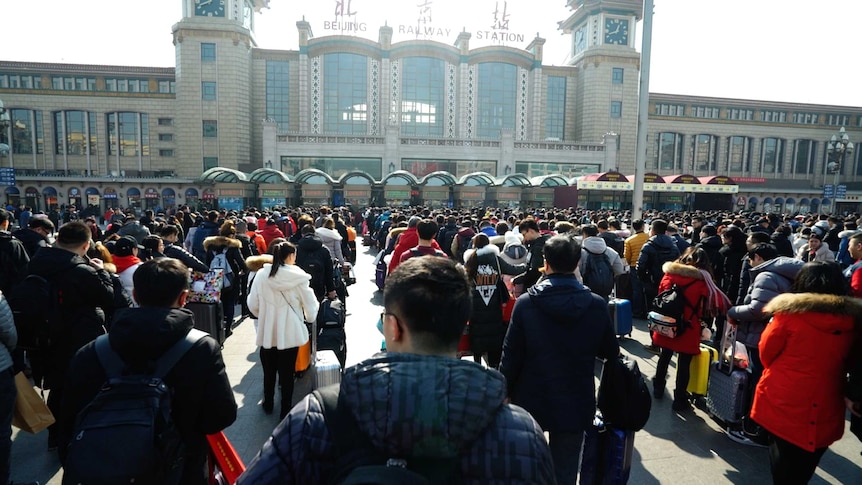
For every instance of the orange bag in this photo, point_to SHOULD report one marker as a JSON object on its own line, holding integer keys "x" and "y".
{"x": 303, "y": 358}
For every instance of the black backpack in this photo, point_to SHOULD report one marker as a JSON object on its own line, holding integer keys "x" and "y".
{"x": 310, "y": 263}
{"x": 624, "y": 398}
{"x": 34, "y": 303}
{"x": 126, "y": 434}
{"x": 668, "y": 311}
{"x": 360, "y": 463}
{"x": 598, "y": 274}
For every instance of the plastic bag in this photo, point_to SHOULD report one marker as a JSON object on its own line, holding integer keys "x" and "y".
{"x": 740, "y": 355}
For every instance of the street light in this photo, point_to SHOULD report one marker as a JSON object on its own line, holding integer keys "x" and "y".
{"x": 837, "y": 149}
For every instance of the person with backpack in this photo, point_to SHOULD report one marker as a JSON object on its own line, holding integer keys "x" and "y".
{"x": 599, "y": 265}
{"x": 689, "y": 280}
{"x": 223, "y": 252}
{"x": 438, "y": 418}
{"x": 313, "y": 257}
{"x": 426, "y": 229}
{"x": 205, "y": 229}
{"x": 486, "y": 268}
{"x": 462, "y": 240}
{"x": 558, "y": 329}
{"x": 406, "y": 241}
{"x": 659, "y": 249}
{"x": 201, "y": 399}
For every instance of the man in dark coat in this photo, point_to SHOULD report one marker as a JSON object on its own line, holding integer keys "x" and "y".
{"x": 659, "y": 249}
{"x": 207, "y": 228}
{"x": 202, "y": 400}
{"x": 316, "y": 260}
{"x": 84, "y": 291}
{"x": 35, "y": 235}
{"x": 170, "y": 235}
{"x": 13, "y": 256}
{"x": 433, "y": 405}
{"x": 711, "y": 242}
{"x": 558, "y": 329}
{"x": 534, "y": 241}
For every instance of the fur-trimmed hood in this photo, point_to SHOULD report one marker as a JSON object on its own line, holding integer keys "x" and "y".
{"x": 849, "y": 233}
{"x": 488, "y": 249}
{"x": 680, "y": 269}
{"x": 255, "y": 263}
{"x": 815, "y": 303}
{"x": 221, "y": 241}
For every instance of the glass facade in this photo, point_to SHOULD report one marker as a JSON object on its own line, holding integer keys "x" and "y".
{"x": 458, "y": 168}
{"x": 497, "y": 97}
{"x": 26, "y": 130}
{"x": 555, "y": 111}
{"x": 73, "y": 130}
{"x": 345, "y": 94}
{"x": 705, "y": 153}
{"x": 335, "y": 167}
{"x": 536, "y": 169}
{"x": 803, "y": 156}
{"x": 278, "y": 93}
{"x": 739, "y": 154}
{"x": 772, "y": 156}
{"x": 423, "y": 90}
{"x": 668, "y": 151}
{"x": 128, "y": 134}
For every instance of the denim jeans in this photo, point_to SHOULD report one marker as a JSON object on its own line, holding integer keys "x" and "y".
{"x": 566, "y": 453}
{"x": 8, "y": 392}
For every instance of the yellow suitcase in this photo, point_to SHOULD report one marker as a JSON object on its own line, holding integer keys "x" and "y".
{"x": 700, "y": 364}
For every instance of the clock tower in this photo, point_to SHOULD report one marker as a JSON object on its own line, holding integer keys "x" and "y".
{"x": 602, "y": 46}
{"x": 213, "y": 43}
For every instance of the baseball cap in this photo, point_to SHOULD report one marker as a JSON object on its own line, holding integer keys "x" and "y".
{"x": 124, "y": 246}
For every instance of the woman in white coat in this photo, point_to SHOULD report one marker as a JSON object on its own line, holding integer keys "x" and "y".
{"x": 283, "y": 301}
{"x": 331, "y": 239}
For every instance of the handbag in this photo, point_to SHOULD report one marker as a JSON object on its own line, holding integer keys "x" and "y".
{"x": 31, "y": 413}
{"x": 206, "y": 287}
{"x": 303, "y": 356}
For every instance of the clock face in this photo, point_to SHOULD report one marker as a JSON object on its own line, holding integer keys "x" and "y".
{"x": 617, "y": 31}
{"x": 209, "y": 8}
{"x": 580, "y": 40}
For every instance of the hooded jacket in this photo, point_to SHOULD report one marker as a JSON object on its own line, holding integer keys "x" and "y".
{"x": 596, "y": 245}
{"x": 216, "y": 244}
{"x": 282, "y": 303}
{"x": 768, "y": 280}
{"x": 270, "y": 232}
{"x": 332, "y": 240}
{"x": 695, "y": 292}
{"x": 658, "y": 250}
{"x": 204, "y": 230}
{"x": 804, "y": 351}
{"x": 558, "y": 328}
{"x": 712, "y": 245}
{"x": 178, "y": 252}
{"x": 202, "y": 401}
{"x": 411, "y": 404}
{"x": 823, "y": 253}
{"x": 87, "y": 291}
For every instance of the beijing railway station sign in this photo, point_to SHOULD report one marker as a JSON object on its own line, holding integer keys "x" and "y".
{"x": 491, "y": 22}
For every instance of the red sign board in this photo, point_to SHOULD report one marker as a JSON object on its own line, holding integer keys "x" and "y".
{"x": 749, "y": 180}
{"x": 151, "y": 193}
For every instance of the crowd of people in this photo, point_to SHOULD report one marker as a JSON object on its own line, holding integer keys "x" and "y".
{"x": 534, "y": 286}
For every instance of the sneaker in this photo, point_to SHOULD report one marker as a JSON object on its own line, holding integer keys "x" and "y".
{"x": 740, "y": 437}
{"x": 653, "y": 348}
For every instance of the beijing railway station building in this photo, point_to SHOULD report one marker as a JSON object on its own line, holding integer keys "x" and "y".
{"x": 397, "y": 120}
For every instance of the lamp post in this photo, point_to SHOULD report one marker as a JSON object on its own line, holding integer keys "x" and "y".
{"x": 837, "y": 149}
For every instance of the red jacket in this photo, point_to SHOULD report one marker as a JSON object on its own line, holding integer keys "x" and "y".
{"x": 270, "y": 232}
{"x": 408, "y": 239}
{"x": 682, "y": 275}
{"x": 805, "y": 352}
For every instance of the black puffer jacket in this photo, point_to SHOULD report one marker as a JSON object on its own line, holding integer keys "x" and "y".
{"x": 203, "y": 401}
{"x": 658, "y": 249}
{"x": 558, "y": 328}
{"x": 86, "y": 293}
{"x": 315, "y": 259}
{"x": 178, "y": 252}
{"x": 413, "y": 404}
{"x": 31, "y": 239}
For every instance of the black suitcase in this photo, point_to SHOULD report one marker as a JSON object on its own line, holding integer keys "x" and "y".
{"x": 208, "y": 317}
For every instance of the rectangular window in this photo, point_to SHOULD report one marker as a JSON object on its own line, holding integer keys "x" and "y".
{"x": 838, "y": 120}
{"x": 91, "y": 84}
{"x": 773, "y": 116}
{"x": 617, "y": 75}
{"x": 210, "y": 162}
{"x": 110, "y": 84}
{"x": 208, "y": 52}
{"x": 210, "y": 128}
{"x": 27, "y": 82}
{"x": 739, "y": 154}
{"x": 166, "y": 137}
{"x": 208, "y": 90}
{"x": 4, "y": 80}
{"x": 665, "y": 109}
{"x": 555, "y": 115}
{"x": 803, "y": 156}
{"x": 616, "y": 109}
{"x": 166, "y": 121}
{"x": 144, "y": 86}
{"x": 166, "y": 153}
{"x": 278, "y": 93}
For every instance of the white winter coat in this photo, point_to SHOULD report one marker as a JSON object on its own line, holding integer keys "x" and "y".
{"x": 282, "y": 304}
{"x": 332, "y": 240}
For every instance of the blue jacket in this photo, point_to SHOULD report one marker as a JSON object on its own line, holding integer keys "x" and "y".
{"x": 558, "y": 328}
{"x": 413, "y": 404}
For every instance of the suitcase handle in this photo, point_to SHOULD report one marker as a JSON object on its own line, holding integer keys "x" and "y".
{"x": 728, "y": 339}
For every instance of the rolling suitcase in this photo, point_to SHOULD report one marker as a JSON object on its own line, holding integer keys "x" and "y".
{"x": 208, "y": 318}
{"x": 621, "y": 316}
{"x": 325, "y": 367}
{"x": 623, "y": 286}
{"x": 607, "y": 455}
{"x": 380, "y": 271}
{"x": 727, "y": 390}
{"x": 699, "y": 376}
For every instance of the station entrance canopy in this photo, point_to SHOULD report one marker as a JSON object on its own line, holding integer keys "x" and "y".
{"x": 653, "y": 182}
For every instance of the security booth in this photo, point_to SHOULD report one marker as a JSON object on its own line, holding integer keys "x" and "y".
{"x": 607, "y": 190}
{"x": 716, "y": 193}
{"x": 676, "y": 190}
{"x": 274, "y": 187}
{"x": 652, "y": 183}
{"x": 208, "y": 199}
{"x": 151, "y": 198}
{"x": 133, "y": 195}
{"x": 471, "y": 190}
{"x": 435, "y": 189}
{"x": 509, "y": 190}
{"x": 398, "y": 187}
{"x": 192, "y": 198}
{"x": 356, "y": 188}
{"x": 232, "y": 189}
{"x": 231, "y": 197}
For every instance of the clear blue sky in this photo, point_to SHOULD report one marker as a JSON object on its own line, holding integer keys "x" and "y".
{"x": 779, "y": 50}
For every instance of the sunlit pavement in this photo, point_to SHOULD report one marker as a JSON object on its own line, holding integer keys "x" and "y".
{"x": 689, "y": 448}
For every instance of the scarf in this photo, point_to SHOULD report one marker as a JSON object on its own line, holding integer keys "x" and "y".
{"x": 717, "y": 303}
{"x": 125, "y": 262}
